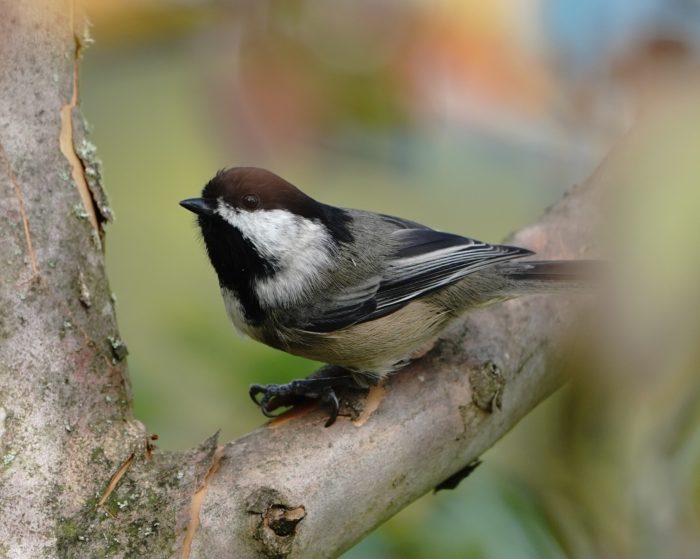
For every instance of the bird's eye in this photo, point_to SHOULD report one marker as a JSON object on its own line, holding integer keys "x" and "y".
{"x": 250, "y": 201}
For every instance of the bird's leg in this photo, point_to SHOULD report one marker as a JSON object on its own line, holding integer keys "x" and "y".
{"x": 319, "y": 386}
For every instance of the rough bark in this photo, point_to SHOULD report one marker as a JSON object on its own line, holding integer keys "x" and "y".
{"x": 79, "y": 476}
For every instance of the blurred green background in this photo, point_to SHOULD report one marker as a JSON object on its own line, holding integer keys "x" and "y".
{"x": 468, "y": 116}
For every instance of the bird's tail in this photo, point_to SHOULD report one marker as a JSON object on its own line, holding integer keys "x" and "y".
{"x": 551, "y": 275}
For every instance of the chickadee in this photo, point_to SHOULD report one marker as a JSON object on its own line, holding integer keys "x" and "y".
{"x": 358, "y": 290}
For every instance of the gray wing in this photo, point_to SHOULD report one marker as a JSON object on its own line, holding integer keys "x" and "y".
{"x": 424, "y": 261}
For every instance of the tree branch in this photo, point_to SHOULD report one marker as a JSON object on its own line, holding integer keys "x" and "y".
{"x": 79, "y": 477}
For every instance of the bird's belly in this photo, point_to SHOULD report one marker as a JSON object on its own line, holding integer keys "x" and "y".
{"x": 377, "y": 346}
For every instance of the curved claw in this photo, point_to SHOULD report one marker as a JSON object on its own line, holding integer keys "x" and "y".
{"x": 269, "y": 397}
{"x": 329, "y": 397}
{"x": 254, "y": 391}
{"x": 268, "y": 413}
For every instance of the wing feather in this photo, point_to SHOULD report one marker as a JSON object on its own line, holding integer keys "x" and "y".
{"x": 424, "y": 261}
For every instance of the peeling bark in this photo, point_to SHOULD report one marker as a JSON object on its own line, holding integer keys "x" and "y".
{"x": 196, "y": 505}
{"x": 79, "y": 477}
{"x": 66, "y": 138}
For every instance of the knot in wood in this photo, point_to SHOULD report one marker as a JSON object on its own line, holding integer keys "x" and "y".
{"x": 274, "y": 522}
{"x": 487, "y": 383}
{"x": 283, "y": 521}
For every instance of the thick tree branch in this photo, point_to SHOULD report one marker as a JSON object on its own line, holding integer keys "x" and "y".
{"x": 79, "y": 477}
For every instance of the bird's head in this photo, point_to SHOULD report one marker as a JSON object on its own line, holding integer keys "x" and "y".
{"x": 258, "y": 227}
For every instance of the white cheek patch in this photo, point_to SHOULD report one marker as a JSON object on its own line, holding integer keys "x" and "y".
{"x": 299, "y": 247}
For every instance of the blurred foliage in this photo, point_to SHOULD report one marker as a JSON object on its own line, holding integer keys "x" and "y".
{"x": 467, "y": 116}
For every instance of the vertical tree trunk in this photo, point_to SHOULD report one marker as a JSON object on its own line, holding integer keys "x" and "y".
{"x": 65, "y": 409}
{"x": 64, "y": 398}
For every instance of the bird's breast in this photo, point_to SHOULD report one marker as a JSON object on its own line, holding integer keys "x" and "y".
{"x": 377, "y": 346}
{"x": 237, "y": 315}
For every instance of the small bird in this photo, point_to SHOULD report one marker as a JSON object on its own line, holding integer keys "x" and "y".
{"x": 358, "y": 290}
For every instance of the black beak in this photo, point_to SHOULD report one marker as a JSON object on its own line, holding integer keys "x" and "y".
{"x": 200, "y": 206}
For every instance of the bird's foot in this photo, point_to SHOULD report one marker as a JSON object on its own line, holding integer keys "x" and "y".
{"x": 269, "y": 397}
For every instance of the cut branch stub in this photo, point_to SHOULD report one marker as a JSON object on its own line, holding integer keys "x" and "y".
{"x": 273, "y": 522}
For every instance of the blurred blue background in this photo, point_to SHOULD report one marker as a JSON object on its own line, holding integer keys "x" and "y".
{"x": 469, "y": 116}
